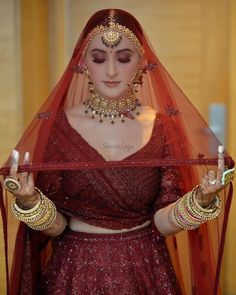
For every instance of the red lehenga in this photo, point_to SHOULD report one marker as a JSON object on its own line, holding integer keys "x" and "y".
{"x": 118, "y": 194}
{"x": 129, "y": 263}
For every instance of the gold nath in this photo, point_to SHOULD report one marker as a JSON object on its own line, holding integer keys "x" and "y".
{"x": 111, "y": 36}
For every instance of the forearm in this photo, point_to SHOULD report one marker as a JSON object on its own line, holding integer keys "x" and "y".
{"x": 39, "y": 213}
{"x": 57, "y": 227}
{"x": 186, "y": 214}
{"x": 161, "y": 220}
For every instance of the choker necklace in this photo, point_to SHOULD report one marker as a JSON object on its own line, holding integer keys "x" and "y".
{"x": 112, "y": 109}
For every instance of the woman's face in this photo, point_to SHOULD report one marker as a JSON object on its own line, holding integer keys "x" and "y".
{"x": 111, "y": 69}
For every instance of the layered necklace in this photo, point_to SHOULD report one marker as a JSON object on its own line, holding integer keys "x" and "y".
{"x": 112, "y": 108}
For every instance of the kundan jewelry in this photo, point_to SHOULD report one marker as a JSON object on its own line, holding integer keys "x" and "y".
{"x": 112, "y": 34}
{"x": 12, "y": 184}
{"x": 112, "y": 109}
{"x": 228, "y": 176}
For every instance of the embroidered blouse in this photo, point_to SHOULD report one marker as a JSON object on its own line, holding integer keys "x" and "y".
{"x": 113, "y": 198}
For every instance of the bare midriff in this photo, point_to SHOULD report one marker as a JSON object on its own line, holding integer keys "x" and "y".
{"x": 80, "y": 226}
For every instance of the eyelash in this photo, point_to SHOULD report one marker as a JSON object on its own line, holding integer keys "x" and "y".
{"x": 125, "y": 60}
{"x": 100, "y": 61}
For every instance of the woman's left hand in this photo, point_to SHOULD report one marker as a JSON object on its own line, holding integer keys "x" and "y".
{"x": 211, "y": 182}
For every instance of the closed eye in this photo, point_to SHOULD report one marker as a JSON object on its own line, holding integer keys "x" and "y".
{"x": 98, "y": 60}
{"x": 124, "y": 60}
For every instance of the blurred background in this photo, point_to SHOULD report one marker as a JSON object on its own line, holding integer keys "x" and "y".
{"x": 194, "y": 39}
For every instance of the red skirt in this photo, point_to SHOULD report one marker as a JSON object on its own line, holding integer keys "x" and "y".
{"x": 131, "y": 263}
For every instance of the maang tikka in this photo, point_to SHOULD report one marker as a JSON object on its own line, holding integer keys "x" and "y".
{"x": 113, "y": 34}
{"x": 111, "y": 38}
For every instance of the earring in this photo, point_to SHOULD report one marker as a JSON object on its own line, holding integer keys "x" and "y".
{"x": 138, "y": 79}
{"x": 90, "y": 82}
{"x": 82, "y": 69}
{"x": 79, "y": 69}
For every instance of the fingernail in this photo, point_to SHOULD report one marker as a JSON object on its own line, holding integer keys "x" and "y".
{"x": 220, "y": 149}
{"x": 26, "y": 159}
{"x": 15, "y": 155}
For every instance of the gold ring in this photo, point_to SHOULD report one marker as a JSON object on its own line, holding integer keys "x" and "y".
{"x": 12, "y": 184}
{"x": 228, "y": 176}
{"x": 212, "y": 182}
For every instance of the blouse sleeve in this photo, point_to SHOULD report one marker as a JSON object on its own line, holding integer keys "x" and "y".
{"x": 50, "y": 182}
{"x": 169, "y": 190}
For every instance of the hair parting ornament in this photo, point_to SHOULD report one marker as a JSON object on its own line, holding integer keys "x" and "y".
{"x": 111, "y": 38}
{"x": 112, "y": 34}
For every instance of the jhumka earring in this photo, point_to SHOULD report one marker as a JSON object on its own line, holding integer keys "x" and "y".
{"x": 138, "y": 78}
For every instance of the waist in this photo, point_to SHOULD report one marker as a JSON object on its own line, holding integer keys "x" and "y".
{"x": 74, "y": 237}
{"x": 80, "y": 226}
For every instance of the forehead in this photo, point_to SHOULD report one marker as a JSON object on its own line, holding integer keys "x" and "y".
{"x": 124, "y": 43}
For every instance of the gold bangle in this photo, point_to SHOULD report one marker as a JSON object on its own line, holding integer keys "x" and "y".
{"x": 180, "y": 217}
{"x": 48, "y": 222}
{"x": 188, "y": 218}
{"x": 41, "y": 216}
{"x": 27, "y": 211}
{"x": 215, "y": 203}
{"x": 45, "y": 217}
{"x": 203, "y": 213}
{"x": 25, "y": 215}
{"x": 187, "y": 214}
{"x": 24, "y": 208}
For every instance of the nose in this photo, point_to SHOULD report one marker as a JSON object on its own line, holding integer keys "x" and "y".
{"x": 111, "y": 68}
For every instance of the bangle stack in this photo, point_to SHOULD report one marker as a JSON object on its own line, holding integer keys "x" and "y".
{"x": 41, "y": 216}
{"x": 187, "y": 213}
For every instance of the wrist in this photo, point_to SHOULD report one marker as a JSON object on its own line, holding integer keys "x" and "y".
{"x": 203, "y": 201}
{"x": 29, "y": 202}
{"x": 41, "y": 216}
{"x": 187, "y": 213}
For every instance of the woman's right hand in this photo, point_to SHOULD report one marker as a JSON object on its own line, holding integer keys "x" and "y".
{"x": 26, "y": 195}
{"x": 21, "y": 185}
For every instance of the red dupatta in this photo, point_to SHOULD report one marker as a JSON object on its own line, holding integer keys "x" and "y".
{"x": 191, "y": 143}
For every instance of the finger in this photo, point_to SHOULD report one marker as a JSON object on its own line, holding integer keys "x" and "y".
{"x": 205, "y": 176}
{"x": 14, "y": 163}
{"x": 31, "y": 180}
{"x": 207, "y": 186}
{"x": 211, "y": 175}
{"x": 26, "y": 158}
{"x": 24, "y": 175}
{"x": 221, "y": 162}
{"x": 212, "y": 180}
{"x": 22, "y": 178}
{"x": 205, "y": 180}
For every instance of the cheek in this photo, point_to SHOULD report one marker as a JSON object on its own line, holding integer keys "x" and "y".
{"x": 95, "y": 71}
{"x": 129, "y": 71}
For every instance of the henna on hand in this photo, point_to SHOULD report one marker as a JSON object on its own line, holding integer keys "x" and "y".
{"x": 211, "y": 182}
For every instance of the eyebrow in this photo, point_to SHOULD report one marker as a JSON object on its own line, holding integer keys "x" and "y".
{"x": 118, "y": 51}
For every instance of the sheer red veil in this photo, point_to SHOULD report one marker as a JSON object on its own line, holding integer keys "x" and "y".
{"x": 197, "y": 254}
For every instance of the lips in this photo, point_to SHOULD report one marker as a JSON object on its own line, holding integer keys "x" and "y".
{"x": 111, "y": 83}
